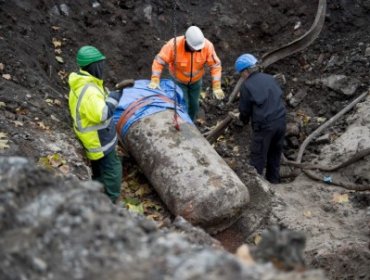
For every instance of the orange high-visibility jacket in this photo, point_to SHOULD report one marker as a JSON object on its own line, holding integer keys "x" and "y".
{"x": 189, "y": 65}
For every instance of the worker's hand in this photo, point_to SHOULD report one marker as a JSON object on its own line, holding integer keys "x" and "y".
{"x": 219, "y": 93}
{"x": 217, "y": 90}
{"x": 154, "y": 83}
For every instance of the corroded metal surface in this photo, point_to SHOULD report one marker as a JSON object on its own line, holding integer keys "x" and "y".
{"x": 188, "y": 174}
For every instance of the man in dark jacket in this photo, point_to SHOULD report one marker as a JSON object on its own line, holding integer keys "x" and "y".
{"x": 261, "y": 102}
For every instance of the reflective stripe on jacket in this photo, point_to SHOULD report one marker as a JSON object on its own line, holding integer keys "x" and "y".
{"x": 91, "y": 110}
{"x": 189, "y": 65}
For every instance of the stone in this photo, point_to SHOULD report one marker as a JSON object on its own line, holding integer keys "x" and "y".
{"x": 367, "y": 52}
{"x": 342, "y": 84}
{"x": 87, "y": 237}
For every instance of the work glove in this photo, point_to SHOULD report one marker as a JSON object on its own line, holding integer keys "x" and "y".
{"x": 217, "y": 90}
{"x": 154, "y": 83}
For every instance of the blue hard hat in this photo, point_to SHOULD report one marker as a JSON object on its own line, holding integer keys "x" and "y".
{"x": 245, "y": 61}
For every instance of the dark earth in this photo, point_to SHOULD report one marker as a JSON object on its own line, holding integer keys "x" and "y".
{"x": 38, "y": 44}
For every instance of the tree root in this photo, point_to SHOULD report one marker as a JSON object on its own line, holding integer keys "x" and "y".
{"x": 348, "y": 186}
{"x": 356, "y": 157}
{"x": 219, "y": 129}
{"x": 307, "y": 169}
{"x": 327, "y": 124}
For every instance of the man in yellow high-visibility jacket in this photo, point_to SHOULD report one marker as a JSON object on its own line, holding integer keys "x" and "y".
{"x": 92, "y": 108}
{"x": 193, "y": 52}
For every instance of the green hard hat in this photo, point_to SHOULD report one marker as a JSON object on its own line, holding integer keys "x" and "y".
{"x": 87, "y": 55}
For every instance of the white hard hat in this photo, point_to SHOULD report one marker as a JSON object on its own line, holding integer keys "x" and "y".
{"x": 195, "y": 38}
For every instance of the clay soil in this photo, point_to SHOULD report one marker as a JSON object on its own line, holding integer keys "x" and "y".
{"x": 39, "y": 40}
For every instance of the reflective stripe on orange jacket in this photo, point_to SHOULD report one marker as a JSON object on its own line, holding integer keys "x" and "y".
{"x": 189, "y": 65}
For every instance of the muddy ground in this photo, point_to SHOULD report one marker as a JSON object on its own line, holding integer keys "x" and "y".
{"x": 38, "y": 42}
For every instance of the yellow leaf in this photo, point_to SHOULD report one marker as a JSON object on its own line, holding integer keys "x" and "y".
{"x": 149, "y": 204}
{"x": 57, "y": 102}
{"x": 64, "y": 169}
{"x": 133, "y": 185}
{"x": 220, "y": 139}
{"x": 2, "y": 104}
{"x": 42, "y": 126}
{"x": 3, "y": 142}
{"x": 49, "y": 101}
{"x": 57, "y": 43}
{"x": 136, "y": 208}
{"x": 306, "y": 120}
{"x": 143, "y": 190}
{"x": 203, "y": 94}
{"x": 154, "y": 217}
{"x": 7, "y": 77}
{"x": 132, "y": 174}
{"x": 2, "y": 66}
{"x": 243, "y": 253}
{"x": 257, "y": 239}
{"x": 124, "y": 185}
{"x": 57, "y": 51}
{"x": 307, "y": 214}
{"x": 55, "y": 160}
{"x": 62, "y": 74}
{"x": 59, "y": 59}
{"x": 44, "y": 162}
{"x": 320, "y": 120}
{"x": 56, "y": 28}
{"x": 340, "y": 198}
{"x": 18, "y": 123}
{"x": 54, "y": 118}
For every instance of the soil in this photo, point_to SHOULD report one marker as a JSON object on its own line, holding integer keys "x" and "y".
{"x": 39, "y": 40}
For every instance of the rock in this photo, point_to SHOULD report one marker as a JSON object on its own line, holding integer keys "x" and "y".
{"x": 367, "y": 52}
{"x": 293, "y": 129}
{"x": 280, "y": 78}
{"x": 87, "y": 237}
{"x": 39, "y": 264}
{"x": 297, "y": 98}
{"x": 325, "y": 139}
{"x": 366, "y": 4}
{"x": 95, "y": 4}
{"x": 64, "y": 9}
{"x": 293, "y": 142}
{"x": 148, "y": 12}
{"x": 342, "y": 84}
{"x": 284, "y": 247}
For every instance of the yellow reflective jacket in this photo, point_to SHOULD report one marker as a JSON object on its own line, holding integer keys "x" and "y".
{"x": 92, "y": 109}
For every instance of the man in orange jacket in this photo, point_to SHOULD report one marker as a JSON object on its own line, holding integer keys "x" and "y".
{"x": 193, "y": 51}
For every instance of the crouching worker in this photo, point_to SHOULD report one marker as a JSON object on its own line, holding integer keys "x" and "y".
{"x": 92, "y": 108}
{"x": 261, "y": 101}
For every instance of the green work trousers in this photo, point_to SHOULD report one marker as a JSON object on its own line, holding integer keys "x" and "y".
{"x": 191, "y": 96}
{"x": 108, "y": 171}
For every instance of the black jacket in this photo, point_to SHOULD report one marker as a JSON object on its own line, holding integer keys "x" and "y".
{"x": 261, "y": 100}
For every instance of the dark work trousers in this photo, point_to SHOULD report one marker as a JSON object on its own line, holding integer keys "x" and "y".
{"x": 191, "y": 96}
{"x": 108, "y": 171}
{"x": 266, "y": 149}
